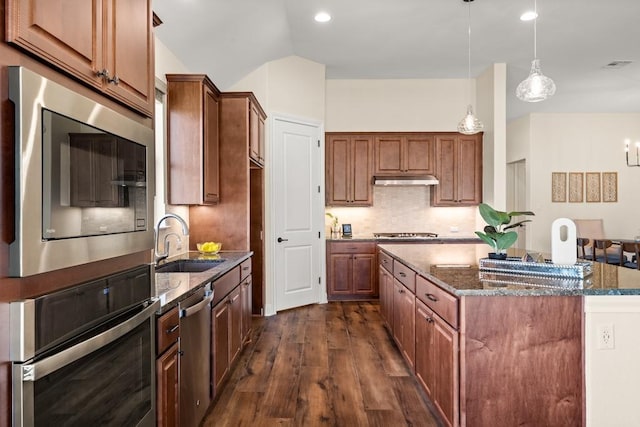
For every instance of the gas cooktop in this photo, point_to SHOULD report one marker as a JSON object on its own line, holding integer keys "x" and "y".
{"x": 404, "y": 235}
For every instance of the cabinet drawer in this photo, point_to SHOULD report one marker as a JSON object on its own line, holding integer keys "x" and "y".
{"x": 225, "y": 284}
{"x": 245, "y": 269}
{"x": 167, "y": 330}
{"x": 440, "y": 301}
{"x": 405, "y": 275}
{"x": 386, "y": 261}
{"x": 352, "y": 247}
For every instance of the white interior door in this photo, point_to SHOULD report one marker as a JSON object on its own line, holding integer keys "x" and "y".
{"x": 297, "y": 212}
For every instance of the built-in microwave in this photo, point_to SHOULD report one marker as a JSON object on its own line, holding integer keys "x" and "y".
{"x": 84, "y": 178}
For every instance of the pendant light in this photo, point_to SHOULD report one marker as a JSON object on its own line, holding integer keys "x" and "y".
{"x": 537, "y": 87}
{"x": 470, "y": 124}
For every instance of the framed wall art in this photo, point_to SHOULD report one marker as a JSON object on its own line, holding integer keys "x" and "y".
{"x": 558, "y": 187}
{"x": 609, "y": 187}
{"x": 576, "y": 187}
{"x": 592, "y": 184}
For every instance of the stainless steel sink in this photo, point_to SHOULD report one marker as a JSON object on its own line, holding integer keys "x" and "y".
{"x": 188, "y": 266}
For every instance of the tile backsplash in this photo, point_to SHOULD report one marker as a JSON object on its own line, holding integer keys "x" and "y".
{"x": 406, "y": 209}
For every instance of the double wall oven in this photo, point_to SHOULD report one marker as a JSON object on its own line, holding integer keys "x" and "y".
{"x": 84, "y": 356}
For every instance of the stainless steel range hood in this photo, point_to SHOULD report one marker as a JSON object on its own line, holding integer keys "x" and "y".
{"x": 405, "y": 180}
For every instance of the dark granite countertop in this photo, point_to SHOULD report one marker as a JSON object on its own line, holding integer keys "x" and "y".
{"x": 455, "y": 268}
{"x": 171, "y": 288}
{"x": 387, "y": 240}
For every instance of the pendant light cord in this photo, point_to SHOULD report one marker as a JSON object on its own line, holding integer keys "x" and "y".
{"x": 469, "y": 50}
{"x": 535, "y": 32}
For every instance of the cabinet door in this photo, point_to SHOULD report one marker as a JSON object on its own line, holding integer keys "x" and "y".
{"x": 246, "y": 296}
{"x": 220, "y": 322}
{"x": 211, "y": 153}
{"x": 404, "y": 321}
{"x": 388, "y": 155}
{"x": 338, "y": 170}
{"x": 459, "y": 170}
{"x": 128, "y": 45}
{"x": 361, "y": 165}
{"x": 445, "y": 192}
{"x": 261, "y": 139}
{"x": 66, "y": 33}
{"x": 340, "y": 274}
{"x": 469, "y": 169}
{"x": 235, "y": 326}
{"x": 446, "y": 379}
{"x": 364, "y": 267}
{"x": 385, "y": 283}
{"x": 256, "y": 134}
{"x": 168, "y": 388}
{"x": 425, "y": 363}
{"x": 418, "y": 154}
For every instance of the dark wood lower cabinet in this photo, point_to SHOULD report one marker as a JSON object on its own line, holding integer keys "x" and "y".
{"x": 351, "y": 270}
{"x": 167, "y": 369}
{"x": 246, "y": 291}
{"x": 228, "y": 327}
{"x": 168, "y": 388}
{"x": 437, "y": 363}
{"x": 385, "y": 286}
{"x": 220, "y": 326}
{"x": 404, "y": 302}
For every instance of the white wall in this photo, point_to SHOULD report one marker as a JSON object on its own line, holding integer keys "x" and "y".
{"x": 395, "y": 105}
{"x": 577, "y": 143}
{"x": 612, "y": 375}
{"x": 166, "y": 62}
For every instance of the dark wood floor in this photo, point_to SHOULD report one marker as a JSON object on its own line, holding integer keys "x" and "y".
{"x": 331, "y": 364}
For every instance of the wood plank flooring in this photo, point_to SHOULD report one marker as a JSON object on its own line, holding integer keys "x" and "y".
{"x": 322, "y": 365}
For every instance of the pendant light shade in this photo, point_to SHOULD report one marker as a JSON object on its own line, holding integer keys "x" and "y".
{"x": 469, "y": 124}
{"x": 537, "y": 87}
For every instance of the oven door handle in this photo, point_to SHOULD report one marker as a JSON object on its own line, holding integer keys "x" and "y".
{"x": 42, "y": 368}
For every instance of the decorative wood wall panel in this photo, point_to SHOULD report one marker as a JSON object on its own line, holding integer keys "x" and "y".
{"x": 576, "y": 187}
{"x": 558, "y": 186}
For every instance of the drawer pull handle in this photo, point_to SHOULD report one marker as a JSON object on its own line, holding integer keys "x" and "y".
{"x": 245, "y": 268}
{"x": 402, "y": 274}
{"x": 428, "y": 319}
{"x": 401, "y": 291}
{"x": 384, "y": 261}
{"x": 432, "y": 297}
{"x": 173, "y": 329}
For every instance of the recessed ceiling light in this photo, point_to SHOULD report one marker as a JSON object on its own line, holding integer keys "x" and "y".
{"x": 528, "y": 16}
{"x": 322, "y": 17}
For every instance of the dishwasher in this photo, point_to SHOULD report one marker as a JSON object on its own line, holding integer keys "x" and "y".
{"x": 195, "y": 356}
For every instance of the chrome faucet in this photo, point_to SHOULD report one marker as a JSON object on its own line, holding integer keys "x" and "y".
{"x": 185, "y": 231}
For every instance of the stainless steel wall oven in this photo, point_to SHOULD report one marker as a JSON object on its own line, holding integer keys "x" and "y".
{"x": 84, "y": 180}
{"x": 85, "y": 356}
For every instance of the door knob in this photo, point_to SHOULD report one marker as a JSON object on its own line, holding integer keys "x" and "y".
{"x": 280, "y": 240}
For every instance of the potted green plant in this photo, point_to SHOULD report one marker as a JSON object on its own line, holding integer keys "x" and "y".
{"x": 498, "y": 232}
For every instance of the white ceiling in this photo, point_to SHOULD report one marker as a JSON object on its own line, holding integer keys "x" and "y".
{"x": 396, "y": 39}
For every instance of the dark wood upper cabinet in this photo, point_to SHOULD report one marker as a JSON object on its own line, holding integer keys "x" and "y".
{"x": 349, "y": 170}
{"x": 404, "y": 154}
{"x": 459, "y": 170}
{"x": 256, "y": 133}
{"x": 193, "y": 173}
{"x": 107, "y": 44}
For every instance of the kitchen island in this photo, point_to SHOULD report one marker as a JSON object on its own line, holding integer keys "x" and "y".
{"x": 487, "y": 352}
